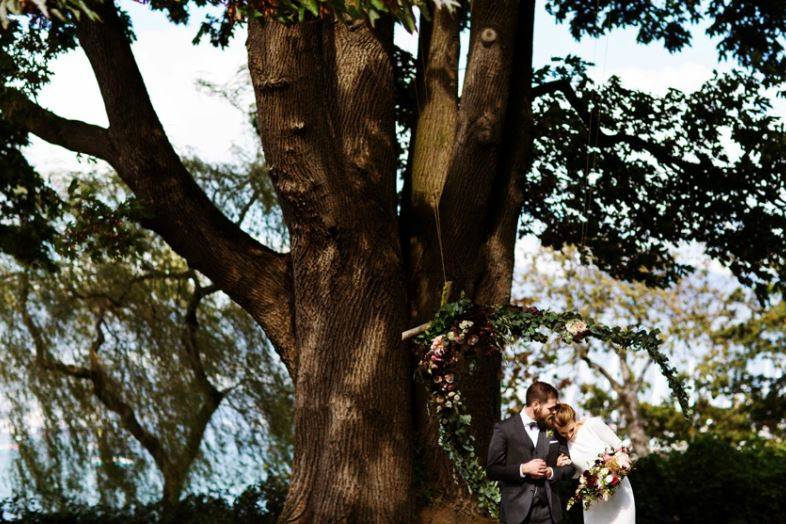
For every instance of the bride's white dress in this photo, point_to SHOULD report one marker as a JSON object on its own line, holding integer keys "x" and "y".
{"x": 592, "y": 438}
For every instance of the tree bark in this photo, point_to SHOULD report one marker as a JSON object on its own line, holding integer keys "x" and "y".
{"x": 333, "y": 170}
{"x": 465, "y": 206}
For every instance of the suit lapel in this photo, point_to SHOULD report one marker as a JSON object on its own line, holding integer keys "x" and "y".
{"x": 528, "y": 444}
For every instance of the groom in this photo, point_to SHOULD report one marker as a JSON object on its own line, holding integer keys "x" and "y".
{"x": 523, "y": 456}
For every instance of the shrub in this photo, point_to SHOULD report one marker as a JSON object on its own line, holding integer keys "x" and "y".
{"x": 711, "y": 481}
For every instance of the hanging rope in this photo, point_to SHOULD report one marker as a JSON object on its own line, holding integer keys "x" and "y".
{"x": 438, "y": 227}
{"x": 591, "y": 155}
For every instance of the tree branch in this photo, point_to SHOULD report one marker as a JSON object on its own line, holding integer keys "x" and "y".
{"x": 103, "y": 387}
{"x": 361, "y": 60}
{"x": 296, "y": 127}
{"x": 430, "y": 151}
{"x": 476, "y": 164}
{"x": 175, "y": 207}
{"x": 42, "y": 356}
{"x": 211, "y": 393}
{"x": 75, "y": 135}
{"x": 643, "y": 374}
{"x": 108, "y": 392}
{"x": 507, "y": 194}
{"x": 658, "y": 151}
{"x": 600, "y": 369}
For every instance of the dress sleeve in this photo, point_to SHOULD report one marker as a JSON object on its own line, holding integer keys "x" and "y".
{"x": 605, "y": 433}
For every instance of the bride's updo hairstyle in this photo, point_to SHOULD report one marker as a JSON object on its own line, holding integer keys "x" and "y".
{"x": 563, "y": 417}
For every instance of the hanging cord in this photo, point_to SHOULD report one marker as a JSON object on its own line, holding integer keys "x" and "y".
{"x": 594, "y": 116}
{"x": 438, "y": 227}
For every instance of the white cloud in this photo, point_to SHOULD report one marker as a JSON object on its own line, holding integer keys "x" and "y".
{"x": 685, "y": 76}
{"x": 171, "y": 65}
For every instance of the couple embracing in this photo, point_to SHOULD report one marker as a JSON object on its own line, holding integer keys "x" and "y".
{"x": 545, "y": 443}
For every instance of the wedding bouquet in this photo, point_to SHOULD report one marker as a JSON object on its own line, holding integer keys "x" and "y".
{"x": 600, "y": 481}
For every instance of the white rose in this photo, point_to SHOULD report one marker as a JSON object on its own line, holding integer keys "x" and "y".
{"x": 575, "y": 326}
{"x": 465, "y": 324}
{"x": 623, "y": 460}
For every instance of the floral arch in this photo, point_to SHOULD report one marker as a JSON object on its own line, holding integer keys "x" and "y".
{"x": 462, "y": 331}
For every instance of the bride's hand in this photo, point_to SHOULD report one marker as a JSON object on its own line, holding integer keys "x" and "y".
{"x": 563, "y": 460}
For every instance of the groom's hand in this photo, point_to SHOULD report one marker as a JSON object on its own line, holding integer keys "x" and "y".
{"x": 535, "y": 468}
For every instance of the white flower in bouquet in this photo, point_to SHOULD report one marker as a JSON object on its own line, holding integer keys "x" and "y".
{"x": 622, "y": 459}
{"x": 575, "y": 326}
{"x": 465, "y": 324}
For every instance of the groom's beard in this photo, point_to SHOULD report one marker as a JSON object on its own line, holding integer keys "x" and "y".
{"x": 544, "y": 417}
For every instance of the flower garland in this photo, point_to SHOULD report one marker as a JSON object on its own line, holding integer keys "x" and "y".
{"x": 463, "y": 330}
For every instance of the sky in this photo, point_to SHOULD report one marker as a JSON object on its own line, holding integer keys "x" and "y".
{"x": 211, "y": 128}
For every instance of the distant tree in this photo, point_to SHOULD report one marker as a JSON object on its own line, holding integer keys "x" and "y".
{"x": 685, "y": 313}
{"x": 127, "y": 359}
{"x": 747, "y": 366}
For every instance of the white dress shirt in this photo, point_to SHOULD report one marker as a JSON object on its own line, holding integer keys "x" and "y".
{"x": 533, "y": 431}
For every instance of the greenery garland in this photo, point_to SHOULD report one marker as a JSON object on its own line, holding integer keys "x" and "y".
{"x": 465, "y": 331}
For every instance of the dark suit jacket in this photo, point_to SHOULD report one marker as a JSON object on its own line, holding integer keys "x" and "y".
{"x": 510, "y": 447}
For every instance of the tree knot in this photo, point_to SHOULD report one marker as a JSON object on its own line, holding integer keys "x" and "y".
{"x": 488, "y": 36}
{"x": 274, "y": 83}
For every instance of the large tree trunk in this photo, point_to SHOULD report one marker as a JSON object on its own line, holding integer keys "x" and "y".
{"x": 462, "y": 210}
{"x": 324, "y": 94}
{"x": 352, "y": 420}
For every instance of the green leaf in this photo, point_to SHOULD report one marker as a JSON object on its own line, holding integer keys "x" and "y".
{"x": 312, "y": 6}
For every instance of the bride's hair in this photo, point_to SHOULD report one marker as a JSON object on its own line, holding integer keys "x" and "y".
{"x": 562, "y": 415}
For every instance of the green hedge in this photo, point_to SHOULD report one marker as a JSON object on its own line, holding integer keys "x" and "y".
{"x": 712, "y": 481}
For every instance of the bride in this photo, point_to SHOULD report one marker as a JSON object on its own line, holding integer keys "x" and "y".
{"x": 586, "y": 440}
